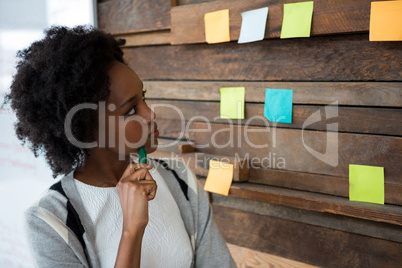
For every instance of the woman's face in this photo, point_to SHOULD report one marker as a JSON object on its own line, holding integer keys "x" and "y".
{"x": 129, "y": 122}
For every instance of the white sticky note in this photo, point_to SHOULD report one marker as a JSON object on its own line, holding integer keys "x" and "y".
{"x": 253, "y": 25}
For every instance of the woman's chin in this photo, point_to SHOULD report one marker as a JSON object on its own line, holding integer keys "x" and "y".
{"x": 152, "y": 146}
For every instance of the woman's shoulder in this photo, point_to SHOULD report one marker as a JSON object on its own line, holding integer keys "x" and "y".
{"x": 49, "y": 209}
{"x": 53, "y": 200}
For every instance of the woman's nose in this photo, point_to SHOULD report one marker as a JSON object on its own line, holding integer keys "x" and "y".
{"x": 151, "y": 116}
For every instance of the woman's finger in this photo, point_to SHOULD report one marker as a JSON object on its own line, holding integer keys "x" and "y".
{"x": 137, "y": 166}
{"x": 152, "y": 193}
{"x": 148, "y": 176}
{"x": 133, "y": 167}
{"x": 140, "y": 174}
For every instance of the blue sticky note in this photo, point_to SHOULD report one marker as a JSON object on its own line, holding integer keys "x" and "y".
{"x": 253, "y": 25}
{"x": 278, "y": 105}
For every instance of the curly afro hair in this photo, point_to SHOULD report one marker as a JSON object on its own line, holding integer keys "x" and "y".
{"x": 67, "y": 67}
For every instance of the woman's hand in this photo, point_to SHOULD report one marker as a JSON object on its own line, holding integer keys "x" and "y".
{"x": 135, "y": 188}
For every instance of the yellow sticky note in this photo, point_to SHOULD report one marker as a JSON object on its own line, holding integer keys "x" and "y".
{"x": 386, "y": 21}
{"x": 217, "y": 26}
{"x": 220, "y": 176}
{"x": 232, "y": 102}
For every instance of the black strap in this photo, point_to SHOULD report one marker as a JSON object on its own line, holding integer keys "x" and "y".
{"x": 73, "y": 220}
{"x": 183, "y": 185}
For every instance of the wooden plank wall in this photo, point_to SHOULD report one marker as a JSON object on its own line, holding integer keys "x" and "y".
{"x": 299, "y": 210}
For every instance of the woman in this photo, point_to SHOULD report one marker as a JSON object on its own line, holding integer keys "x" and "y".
{"x": 78, "y": 102}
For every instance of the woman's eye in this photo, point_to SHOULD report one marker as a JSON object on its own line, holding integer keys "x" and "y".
{"x": 131, "y": 111}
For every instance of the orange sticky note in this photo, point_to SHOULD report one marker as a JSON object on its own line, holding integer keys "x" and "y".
{"x": 220, "y": 176}
{"x": 217, "y": 26}
{"x": 386, "y": 21}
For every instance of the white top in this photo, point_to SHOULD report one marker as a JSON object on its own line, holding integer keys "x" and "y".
{"x": 165, "y": 242}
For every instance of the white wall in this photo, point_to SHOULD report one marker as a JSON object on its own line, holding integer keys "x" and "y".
{"x": 22, "y": 176}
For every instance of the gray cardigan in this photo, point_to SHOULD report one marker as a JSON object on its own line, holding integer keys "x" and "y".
{"x": 61, "y": 234}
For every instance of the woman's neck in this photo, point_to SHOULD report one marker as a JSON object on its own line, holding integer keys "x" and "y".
{"x": 103, "y": 168}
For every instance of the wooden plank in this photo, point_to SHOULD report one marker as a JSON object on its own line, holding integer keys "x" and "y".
{"x": 345, "y": 93}
{"x": 349, "y": 119}
{"x": 316, "y": 183}
{"x": 337, "y": 186}
{"x": 145, "y": 39}
{"x": 317, "y": 202}
{"x": 245, "y": 257}
{"x": 301, "y": 181}
{"x": 127, "y": 16}
{"x": 329, "y": 58}
{"x": 288, "y": 149}
{"x": 329, "y": 184}
{"x": 199, "y": 162}
{"x": 319, "y": 246}
{"x": 191, "y": 2}
{"x": 177, "y": 146}
{"x": 173, "y": 129}
{"x": 337, "y": 222}
{"x": 329, "y": 17}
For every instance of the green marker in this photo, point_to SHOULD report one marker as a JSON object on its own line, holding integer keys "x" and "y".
{"x": 142, "y": 156}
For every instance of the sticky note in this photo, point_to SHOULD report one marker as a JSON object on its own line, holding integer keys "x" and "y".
{"x": 232, "y": 102}
{"x": 217, "y": 26}
{"x": 278, "y": 105}
{"x": 366, "y": 184}
{"x": 297, "y": 19}
{"x": 386, "y": 21}
{"x": 220, "y": 176}
{"x": 253, "y": 25}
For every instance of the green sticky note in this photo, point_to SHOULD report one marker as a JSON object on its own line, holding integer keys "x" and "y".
{"x": 232, "y": 102}
{"x": 297, "y": 19}
{"x": 366, "y": 184}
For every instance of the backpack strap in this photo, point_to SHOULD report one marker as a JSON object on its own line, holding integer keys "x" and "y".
{"x": 73, "y": 220}
{"x": 182, "y": 183}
